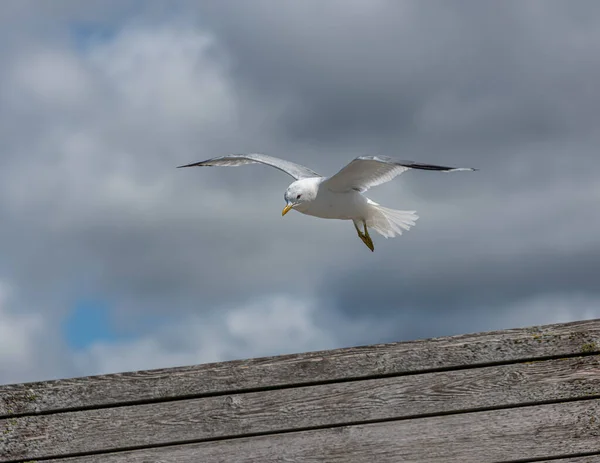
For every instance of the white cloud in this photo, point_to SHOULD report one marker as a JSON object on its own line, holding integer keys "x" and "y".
{"x": 269, "y": 326}
{"x": 102, "y": 111}
{"x": 16, "y": 334}
{"x": 53, "y": 78}
{"x": 30, "y": 345}
{"x": 546, "y": 309}
{"x": 280, "y": 323}
{"x": 166, "y": 76}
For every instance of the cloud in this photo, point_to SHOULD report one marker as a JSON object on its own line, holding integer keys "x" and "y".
{"x": 30, "y": 348}
{"x": 98, "y": 104}
{"x": 270, "y": 326}
{"x": 16, "y": 333}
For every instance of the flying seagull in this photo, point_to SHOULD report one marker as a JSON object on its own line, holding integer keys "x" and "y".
{"x": 341, "y": 195}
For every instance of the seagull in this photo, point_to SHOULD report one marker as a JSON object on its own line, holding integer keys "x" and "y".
{"x": 340, "y": 196}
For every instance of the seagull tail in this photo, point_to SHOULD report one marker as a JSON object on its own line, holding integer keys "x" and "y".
{"x": 389, "y": 222}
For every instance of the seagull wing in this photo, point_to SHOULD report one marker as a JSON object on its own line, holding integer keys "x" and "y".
{"x": 365, "y": 172}
{"x": 295, "y": 170}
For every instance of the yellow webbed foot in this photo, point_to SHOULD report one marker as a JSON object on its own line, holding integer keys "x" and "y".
{"x": 365, "y": 237}
{"x": 368, "y": 241}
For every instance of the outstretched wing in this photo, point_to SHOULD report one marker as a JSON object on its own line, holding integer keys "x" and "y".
{"x": 295, "y": 170}
{"x": 365, "y": 172}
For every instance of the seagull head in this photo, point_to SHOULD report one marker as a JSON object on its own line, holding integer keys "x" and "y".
{"x": 299, "y": 194}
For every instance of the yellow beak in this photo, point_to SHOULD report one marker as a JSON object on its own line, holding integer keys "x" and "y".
{"x": 286, "y": 209}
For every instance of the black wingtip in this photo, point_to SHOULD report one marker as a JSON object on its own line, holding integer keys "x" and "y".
{"x": 188, "y": 165}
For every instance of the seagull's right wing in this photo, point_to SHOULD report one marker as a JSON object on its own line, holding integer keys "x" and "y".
{"x": 295, "y": 170}
{"x": 365, "y": 172}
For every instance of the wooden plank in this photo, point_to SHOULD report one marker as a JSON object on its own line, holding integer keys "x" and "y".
{"x": 299, "y": 408}
{"x": 310, "y": 368}
{"x": 537, "y": 432}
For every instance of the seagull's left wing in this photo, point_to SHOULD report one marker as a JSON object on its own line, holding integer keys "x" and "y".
{"x": 291, "y": 168}
{"x": 365, "y": 172}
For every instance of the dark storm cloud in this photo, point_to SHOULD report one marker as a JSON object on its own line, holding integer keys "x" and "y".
{"x": 508, "y": 69}
{"x": 449, "y": 286}
{"x": 506, "y": 86}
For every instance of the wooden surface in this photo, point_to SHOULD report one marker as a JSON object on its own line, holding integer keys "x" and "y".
{"x": 504, "y": 435}
{"x": 518, "y": 395}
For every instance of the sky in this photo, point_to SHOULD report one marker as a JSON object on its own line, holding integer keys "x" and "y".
{"x": 114, "y": 260}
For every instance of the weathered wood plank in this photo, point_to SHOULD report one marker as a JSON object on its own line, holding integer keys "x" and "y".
{"x": 299, "y": 408}
{"x": 309, "y": 368}
{"x": 493, "y": 436}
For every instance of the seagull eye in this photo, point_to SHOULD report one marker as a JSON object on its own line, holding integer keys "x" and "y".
{"x": 298, "y": 197}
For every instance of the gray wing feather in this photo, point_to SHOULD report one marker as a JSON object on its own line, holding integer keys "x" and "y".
{"x": 365, "y": 172}
{"x": 295, "y": 170}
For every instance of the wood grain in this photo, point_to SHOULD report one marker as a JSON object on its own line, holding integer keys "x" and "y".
{"x": 494, "y": 436}
{"x": 299, "y": 408}
{"x": 310, "y": 368}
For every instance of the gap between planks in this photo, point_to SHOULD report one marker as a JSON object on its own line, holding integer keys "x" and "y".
{"x": 582, "y": 457}
{"x": 591, "y": 457}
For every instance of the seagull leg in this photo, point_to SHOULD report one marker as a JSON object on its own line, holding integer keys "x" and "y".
{"x": 368, "y": 240}
{"x": 364, "y": 236}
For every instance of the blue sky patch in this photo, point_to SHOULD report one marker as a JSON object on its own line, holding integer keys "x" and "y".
{"x": 89, "y": 322}
{"x": 87, "y": 34}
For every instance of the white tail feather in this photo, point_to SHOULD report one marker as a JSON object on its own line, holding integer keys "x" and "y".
{"x": 389, "y": 222}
